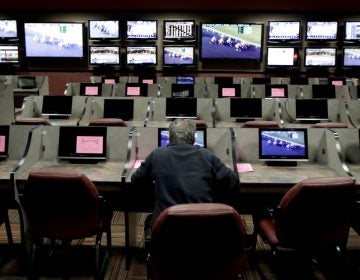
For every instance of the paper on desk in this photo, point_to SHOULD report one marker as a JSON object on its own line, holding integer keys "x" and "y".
{"x": 244, "y": 167}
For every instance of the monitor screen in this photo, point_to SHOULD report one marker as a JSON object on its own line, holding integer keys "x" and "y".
{"x": 352, "y": 30}
{"x": 284, "y": 31}
{"x": 179, "y": 30}
{"x": 321, "y": 30}
{"x": 90, "y": 89}
{"x": 136, "y": 89}
{"x": 351, "y": 56}
{"x": 82, "y": 142}
{"x": 182, "y": 90}
{"x": 224, "y": 80}
{"x": 104, "y": 29}
{"x": 8, "y": 29}
{"x": 185, "y": 80}
{"x": 323, "y": 57}
{"x": 181, "y": 107}
{"x": 119, "y": 108}
{"x": 283, "y": 144}
{"x": 104, "y": 55}
{"x": 27, "y": 82}
{"x": 261, "y": 80}
{"x": 246, "y": 108}
{"x": 311, "y": 109}
{"x": 229, "y": 90}
{"x": 110, "y": 79}
{"x": 297, "y": 80}
{"x": 56, "y": 105}
{"x": 282, "y": 56}
{"x": 336, "y": 81}
{"x": 9, "y": 54}
{"x": 141, "y": 55}
{"x": 141, "y": 29}
{"x": 56, "y": 40}
{"x": 323, "y": 91}
{"x": 276, "y": 91}
{"x": 200, "y": 137}
{"x": 178, "y": 55}
{"x": 241, "y": 41}
{"x": 4, "y": 141}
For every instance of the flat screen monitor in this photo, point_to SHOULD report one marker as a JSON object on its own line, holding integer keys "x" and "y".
{"x": 200, "y": 137}
{"x": 261, "y": 80}
{"x": 56, "y": 106}
{"x": 104, "y": 55}
{"x": 282, "y": 56}
{"x": 283, "y": 144}
{"x": 141, "y": 29}
{"x": 185, "y": 107}
{"x": 276, "y": 91}
{"x": 8, "y": 29}
{"x": 297, "y": 80}
{"x": 321, "y": 30}
{"x": 229, "y": 90}
{"x": 110, "y": 79}
{"x": 246, "y": 108}
{"x": 224, "y": 80}
{"x": 141, "y": 55}
{"x": 82, "y": 142}
{"x": 148, "y": 80}
{"x": 54, "y": 39}
{"x": 119, "y": 108}
{"x": 104, "y": 29}
{"x": 176, "y": 30}
{"x": 136, "y": 89}
{"x": 239, "y": 41}
{"x": 9, "y": 54}
{"x": 178, "y": 55}
{"x": 323, "y": 91}
{"x": 351, "y": 56}
{"x": 27, "y": 82}
{"x": 283, "y": 31}
{"x": 337, "y": 81}
{"x": 352, "y": 31}
{"x": 90, "y": 89}
{"x": 311, "y": 110}
{"x": 185, "y": 80}
{"x": 320, "y": 57}
{"x": 4, "y": 141}
{"x": 182, "y": 90}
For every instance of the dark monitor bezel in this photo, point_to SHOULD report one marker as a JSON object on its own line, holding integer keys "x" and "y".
{"x": 345, "y": 37}
{"x": 83, "y": 87}
{"x": 57, "y": 105}
{"x": 295, "y": 57}
{"x": 333, "y": 80}
{"x": 235, "y": 87}
{"x": 181, "y": 63}
{"x": 112, "y": 104}
{"x": 295, "y": 80}
{"x": 310, "y": 38}
{"x": 261, "y": 80}
{"x": 198, "y": 129}
{"x": 5, "y": 131}
{"x": 270, "y": 87}
{"x": 143, "y": 89}
{"x": 357, "y": 57}
{"x": 324, "y": 91}
{"x": 253, "y": 107}
{"x": 182, "y": 90}
{"x": 191, "y": 37}
{"x": 315, "y": 109}
{"x": 174, "y": 104}
{"x": 130, "y": 63}
{"x": 27, "y": 82}
{"x": 306, "y": 55}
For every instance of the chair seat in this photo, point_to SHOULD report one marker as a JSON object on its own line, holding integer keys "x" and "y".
{"x": 32, "y": 121}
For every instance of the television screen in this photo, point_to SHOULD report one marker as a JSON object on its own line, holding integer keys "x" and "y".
{"x": 320, "y": 57}
{"x": 178, "y": 55}
{"x": 4, "y": 141}
{"x": 297, "y": 80}
{"x": 8, "y": 29}
{"x": 200, "y": 137}
{"x": 323, "y": 91}
{"x": 282, "y": 56}
{"x": 179, "y": 30}
{"x": 352, "y": 30}
{"x": 283, "y": 144}
{"x": 321, "y": 30}
{"x": 284, "y": 31}
{"x": 82, "y": 142}
{"x": 56, "y": 105}
{"x": 229, "y": 90}
{"x": 110, "y": 79}
{"x": 104, "y": 29}
{"x": 246, "y": 108}
{"x": 119, "y": 108}
{"x": 182, "y": 90}
{"x": 336, "y": 81}
{"x": 142, "y": 55}
{"x": 136, "y": 89}
{"x": 54, "y": 39}
{"x": 90, "y": 89}
{"x": 231, "y": 41}
{"x": 9, "y": 54}
{"x": 141, "y": 29}
{"x": 351, "y": 57}
{"x": 104, "y": 55}
{"x": 276, "y": 91}
{"x": 311, "y": 109}
{"x": 181, "y": 107}
{"x": 185, "y": 80}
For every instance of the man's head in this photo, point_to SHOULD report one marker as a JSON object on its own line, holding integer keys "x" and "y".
{"x": 182, "y": 131}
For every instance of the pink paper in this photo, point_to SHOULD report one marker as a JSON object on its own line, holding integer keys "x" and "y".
{"x": 133, "y": 91}
{"x": 244, "y": 167}
{"x": 2, "y": 143}
{"x": 145, "y": 81}
{"x": 228, "y": 92}
{"x": 277, "y": 92}
{"x": 89, "y": 144}
{"x": 91, "y": 90}
{"x": 109, "y": 81}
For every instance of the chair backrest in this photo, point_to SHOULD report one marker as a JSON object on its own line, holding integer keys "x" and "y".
{"x": 316, "y": 212}
{"x": 197, "y": 241}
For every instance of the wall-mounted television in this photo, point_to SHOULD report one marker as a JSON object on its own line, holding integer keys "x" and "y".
{"x": 141, "y": 55}
{"x": 321, "y": 30}
{"x": 8, "y": 29}
{"x": 246, "y": 108}
{"x": 351, "y": 57}
{"x": 54, "y": 39}
{"x": 119, "y": 108}
{"x": 179, "y": 30}
{"x": 282, "y": 56}
{"x": 200, "y": 137}
{"x": 9, "y": 54}
{"x": 90, "y": 89}
{"x": 239, "y": 41}
{"x": 141, "y": 29}
{"x": 311, "y": 110}
{"x": 82, "y": 142}
{"x": 323, "y": 91}
{"x": 104, "y": 29}
{"x": 4, "y": 141}
{"x": 182, "y": 90}
{"x": 283, "y": 31}
{"x": 283, "y": 145}
{"x": 352, "y": 31}
{"x": 229, "y": 90}
{"x": 181, "y": 107}
{"x": 56, "y": 106}
{"x": 104, "y": 55}
{"x": 276, "y": 90}
{"x": 320, "y": 56}
{"x": 178, "y": 55}
{"x": 136, "y": 89}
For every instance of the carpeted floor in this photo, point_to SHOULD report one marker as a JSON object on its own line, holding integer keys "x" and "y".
{"x": 77, "y": 264}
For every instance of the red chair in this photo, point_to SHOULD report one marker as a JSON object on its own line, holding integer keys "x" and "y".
{"x": 107, "y": 122}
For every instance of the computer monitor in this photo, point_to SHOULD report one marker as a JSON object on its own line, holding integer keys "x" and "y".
{"x": 352, "y": 31}
{"x": 9, "y": 54}
{"x": 276, "y": 91}
{"x": 297, "y": 80}
{"x": 283, "y": 31}
{"x": 181, "y": 107}
{"x": 320, "y": 57}
{"x": 311, "y": 110}
{"x": 282, "y": 56}
{"x": 141, "y": 29}
{"x": 136, "y": 89}
{"x": 104, "y": 30}
{"x": 8, "y": 29}
{"x": 178, "y": 55}
{"x": 104, "y": 55}
{"x": 261, "y": 80}
{"x": 224, "y": 80}
{"x": 4, "y": 141}
{"x": 321, "y": 30}
{"x": 27, "y": 82}
{"x": 119, "y": 108}
{"x": 90, "y": 89}
{"x": 229, "y": 90}
{"x": 185, "y": 80}
{"x": 179, "y": 30}
{"x": 182, "y": 90}
{"x": 351, "y": 57}
{"x": 110, "y": 79}
{"x": 323, "y": 91}
{"x": 336, "y": 81}
{"x": 244, "y": 109}
{"x": 57, "y": 106}
{"x": 141, "y": 55}
{"x": 200, "y": 137}
{"x": 82, "y": 143}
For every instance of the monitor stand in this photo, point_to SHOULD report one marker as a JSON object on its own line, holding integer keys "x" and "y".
{"x": 281, "y": 163}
